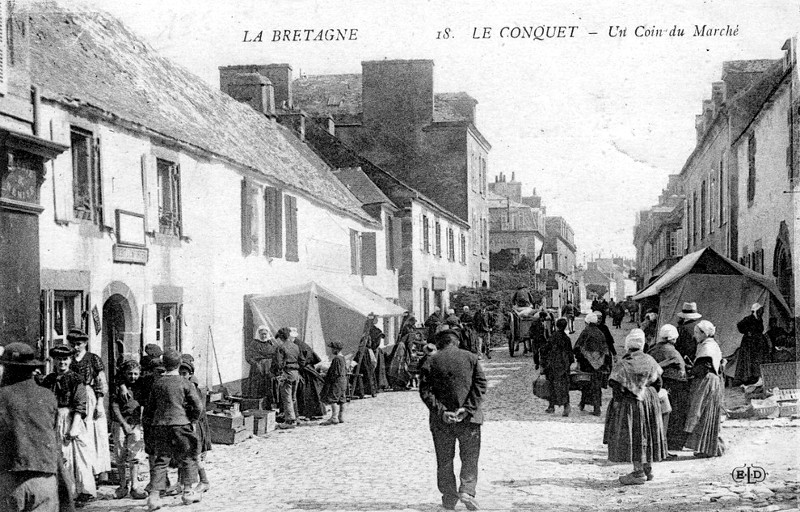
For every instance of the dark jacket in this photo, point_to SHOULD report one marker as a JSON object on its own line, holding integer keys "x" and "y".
{"x": 288, "y": 358}
{"x": 173, "y": 401}
{"x": 69, "y": 391}
{"x": 450, "y": 379}
{"x": 28, "y": 428}
{"x": 483, "y": 321}
{"x": 686, "y": 345}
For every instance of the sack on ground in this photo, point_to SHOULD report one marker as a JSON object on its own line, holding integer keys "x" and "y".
{"x": 541, "y": 388}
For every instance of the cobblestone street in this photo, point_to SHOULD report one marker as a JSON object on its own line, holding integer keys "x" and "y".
{"x": 382, "y": 459}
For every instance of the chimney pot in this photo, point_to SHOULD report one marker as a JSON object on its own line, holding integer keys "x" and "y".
{"x": 512, "y": 175}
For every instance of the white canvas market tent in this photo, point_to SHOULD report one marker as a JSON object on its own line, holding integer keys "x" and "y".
{"x": 319, "y": 314}
{"x": 723, "y": 290}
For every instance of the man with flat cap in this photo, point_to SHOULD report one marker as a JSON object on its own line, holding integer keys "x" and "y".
{"x": 30, "y": 453}
{"x": 452, "y": 385}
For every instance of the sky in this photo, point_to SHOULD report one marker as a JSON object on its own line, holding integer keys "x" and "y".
{"x": 594, "y": 123}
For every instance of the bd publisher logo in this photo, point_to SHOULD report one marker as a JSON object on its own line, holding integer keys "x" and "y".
{"x": 748, "y": 474}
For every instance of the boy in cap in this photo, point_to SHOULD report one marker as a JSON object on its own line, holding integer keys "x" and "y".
{"x": 201, "y": 426}
{"x": 173, "y": 406}
{"x": 29, "y": 459}
{"x": 334, "y": 391}
{"x": 126, "y": 409}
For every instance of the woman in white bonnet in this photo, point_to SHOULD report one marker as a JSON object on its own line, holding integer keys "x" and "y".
{"x": 675, "y": 382}
{"x": 634, "y": 431}
{"x": 706, "y": 393}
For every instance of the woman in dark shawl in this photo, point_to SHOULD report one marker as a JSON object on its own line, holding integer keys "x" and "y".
{"x": 367, "y": 385}
{"x": 557, "y": 357}
{"x": 706, "y": 393}
{"x": 309, "y": 388}
{"x": 675, "y": 382}
{"x": 259, "y": 354}
{"x": 634, "y": 431}
{"x": 593, "y": 357}
{"x": 399, "y": 359}
{"x": 755, "y": 347}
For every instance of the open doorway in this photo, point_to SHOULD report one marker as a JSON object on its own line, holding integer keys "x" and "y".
{"x": 114, "y": 329}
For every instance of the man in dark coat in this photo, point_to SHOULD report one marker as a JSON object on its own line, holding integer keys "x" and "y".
{"x": 30, "y": 452}
{"x": 433, "y": 322}
{"x": 309, "y": 403}
{"x": 452, "y": 385}
{"x": 688, "y": 318}
{"x": 466, "y": 317}
{"x": 484, "y": 322}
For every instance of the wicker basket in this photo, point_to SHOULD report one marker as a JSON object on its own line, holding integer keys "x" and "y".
{"x": 739, "y": 413}
{"x": 766, "y": 408}
{"x": 788, "y": 408}
{"x": 781, "y": 375}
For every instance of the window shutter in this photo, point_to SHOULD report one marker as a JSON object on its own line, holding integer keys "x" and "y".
{"x": 150, "y": 193}
{"x": 3, "y": 48}
{"x": 184, "y": 227}
{"x": 397, "y": 242}
{"x": 369, "y": 259}
{"x": 62, "y": 173}
{"x": 103, "y": 189}
{"x": 388, "y": 239}
{"x": 273, "y": 222}
{"x": 353, "y": 251}
{"x": 247, "y": 245}
{"x": 291, "y": 229}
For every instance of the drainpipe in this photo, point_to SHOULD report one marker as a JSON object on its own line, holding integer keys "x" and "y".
{"x": 37, "y": 110}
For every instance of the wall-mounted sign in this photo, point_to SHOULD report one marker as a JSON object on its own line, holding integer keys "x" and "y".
{"x": 96, "y": 320}
{"x": 20, "y": 181}
{"x": 439, "y": 283}
{"x": 484, "y": 266}
{"x": 130, "y": 254}
{"x": 130, "y": 228}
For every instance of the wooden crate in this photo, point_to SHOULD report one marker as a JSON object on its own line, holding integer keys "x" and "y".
{"x": 229, "y": 435}
{"x": 223, "y": 421}
{"x": 263, "y": 421}
{"x": 781, "y": 375}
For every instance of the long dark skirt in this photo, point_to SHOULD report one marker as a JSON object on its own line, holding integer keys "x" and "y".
{"x": 368, "y": 385}
{"x": 309, "y": 389}
{"x": 634, "y": 430}
{"x": 559, "y": 387}
{"x": 679, "y": 400}
{"x": 753, "y": 351}
{"x": 592, "y": 391}
{"x": 703, "y": 415}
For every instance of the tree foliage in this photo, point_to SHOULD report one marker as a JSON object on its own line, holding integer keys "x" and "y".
{"x": 598, "y": 290}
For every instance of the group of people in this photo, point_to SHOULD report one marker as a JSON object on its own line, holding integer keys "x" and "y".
{"x": 474, "y": 329}
{"x": 55, "y": 436}
{"x": 285, "y": 372}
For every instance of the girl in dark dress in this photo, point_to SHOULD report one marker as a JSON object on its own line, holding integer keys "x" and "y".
{"x": 334, "y": 391}
{"x": 557, "y": 357}
{"x": 634, "y": 431}
{"x": 90, "y": 368}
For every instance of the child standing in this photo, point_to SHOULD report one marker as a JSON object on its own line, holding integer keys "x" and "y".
{"x": 73, "y": 435}
{"x": 201, "y": 425}
{"x": 126, "y": 409}
{"x": 334, "y": 390}
{"x": 173, "y": 406}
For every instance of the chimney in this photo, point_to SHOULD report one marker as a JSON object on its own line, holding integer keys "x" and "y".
{"x": 718, "y": 94}
{"x": 281, "y": 77}
{"x": 512, "y": 175}
{"x": 699, "y": 126}
{"x": 464, "y": 105}
{"x": 397, "y": 94}
{"x": 250, "y": 88}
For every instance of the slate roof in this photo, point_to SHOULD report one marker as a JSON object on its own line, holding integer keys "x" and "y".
{"x": 340, "y": 96}
{"x": 749, "y": 103}
{"x": 90, "y": 62}
{"x": 360, "y": 185}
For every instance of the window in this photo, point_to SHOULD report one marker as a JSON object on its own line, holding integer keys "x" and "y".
{"x": 169, "y": 199}
{"x": 168, "y": 330}
{"x": 483, "y": 176}
{"x": 789, "y": 148}
{"x": 291, "y": 229}
{"x": 394, "y": 242}
{"x": 273, "y": 223}
{"x": 426, "y": 243}
{"x": 463, "y": 249}
{"x": 474, "y": 238}
{"x": 355, "y": 252}
{"x": 438, "y": 239}
{"x": 388, "y": 230}
{"x": 249, "y": 219}
{"x": 426, "y": 304}
{"x": 673, "y": 244}
{"x": 703, "y": 209}
{"x": 87, "y": 193}
{"x": 451, "y": 245}
{"x": 758, "y": 257}
{"x": 484, "y": 237}
{"x": 66, "y": 314}
{"x": 751, "y": 169}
